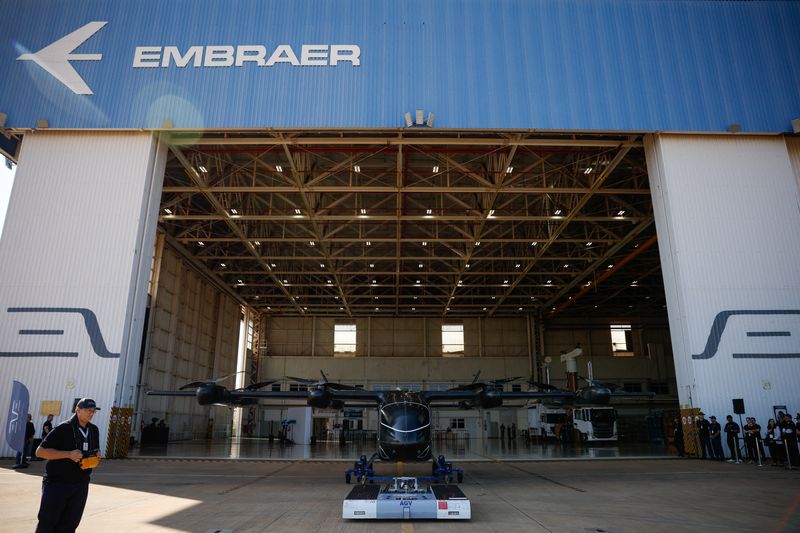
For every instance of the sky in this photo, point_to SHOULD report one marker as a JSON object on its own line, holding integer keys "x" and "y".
{"x": 6, "y": 180}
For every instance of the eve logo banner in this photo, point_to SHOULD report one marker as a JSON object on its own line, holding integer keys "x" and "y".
{"x": 780, "y": 326}
{"x": 90, "y": 323}
{"x": 55, "y": 58}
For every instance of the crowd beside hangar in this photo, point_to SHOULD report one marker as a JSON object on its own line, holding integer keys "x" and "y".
{"x": 779, "y": 442}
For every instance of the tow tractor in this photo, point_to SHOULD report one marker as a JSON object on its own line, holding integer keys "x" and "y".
{"x": 409, "y": 498}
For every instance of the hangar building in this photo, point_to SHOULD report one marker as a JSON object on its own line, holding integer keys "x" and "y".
{"x": 399, "y": 194}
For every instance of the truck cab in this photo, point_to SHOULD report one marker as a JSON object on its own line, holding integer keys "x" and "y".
{"x": 544, "y": 420}
{"x": 596, "y": 424}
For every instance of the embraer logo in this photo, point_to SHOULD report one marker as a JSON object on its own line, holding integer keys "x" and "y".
{"x": 721, "y": 321}
{"x": 89, "y": 322}
{"x": 55, "y": 58}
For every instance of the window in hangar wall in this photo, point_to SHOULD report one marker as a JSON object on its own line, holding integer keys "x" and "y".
{"x": 452, "y": 340}
{"x": 344, "y": 340}
{"x": 621, "y": 340}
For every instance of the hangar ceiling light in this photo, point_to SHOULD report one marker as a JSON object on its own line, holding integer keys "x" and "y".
{"x": 253, "y": 215}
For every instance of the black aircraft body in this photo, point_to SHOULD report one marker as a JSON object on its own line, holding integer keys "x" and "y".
{"x": 404, "y": 432}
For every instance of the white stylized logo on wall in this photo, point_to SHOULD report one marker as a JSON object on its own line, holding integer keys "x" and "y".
{"x": 55, "y": 58}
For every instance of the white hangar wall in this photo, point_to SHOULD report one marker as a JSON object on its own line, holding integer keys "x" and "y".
{"x": 193, "y": 334}
{"x": 727, "y": 218}
{"x": 76, "y": 252}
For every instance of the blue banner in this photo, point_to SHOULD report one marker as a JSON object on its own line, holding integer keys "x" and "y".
{"x": 17, "y": 417}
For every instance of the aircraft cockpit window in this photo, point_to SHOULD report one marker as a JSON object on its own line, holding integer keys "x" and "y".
{"x": 405, "y": 417}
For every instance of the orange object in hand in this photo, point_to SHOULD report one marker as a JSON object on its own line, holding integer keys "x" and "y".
{"x": 90, "y": 461}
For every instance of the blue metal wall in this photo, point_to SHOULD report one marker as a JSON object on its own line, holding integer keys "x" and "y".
{"x": 544, "y": 64}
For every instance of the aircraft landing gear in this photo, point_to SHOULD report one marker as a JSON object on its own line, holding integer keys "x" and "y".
{"x": 362, "y": 469}
{"x": 443, "y": 470}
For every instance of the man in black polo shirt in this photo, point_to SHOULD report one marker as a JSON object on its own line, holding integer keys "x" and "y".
{"x": 66, "y": 485}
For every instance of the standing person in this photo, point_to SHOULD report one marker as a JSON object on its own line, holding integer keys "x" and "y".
{"x": 22, "y": 456}
{"x": 769, "y": 440}
{"x": 47, "y": 427}
{"x": 755, "y": 431}
{"x": 677, "y": 434}
{"x": 704, "y": 434}
{"x": 749, "y": 440}
{"x": 66, "y": 483}
{"x": 789, "y": 430}
{"x": 732, "y": 431}
{"x": 716, "y": 439}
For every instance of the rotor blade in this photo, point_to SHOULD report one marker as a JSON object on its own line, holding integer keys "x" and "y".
{"x": 543, "y": 386}
{"x": 324, "y": 377}
{"x": 195, "y": 384}
{"x": 302, "y": 380}
{"x": 504, "y": 380}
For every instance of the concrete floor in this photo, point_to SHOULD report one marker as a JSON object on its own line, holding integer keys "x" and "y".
{"x": 456, "y": 450}
{"x": 153, "y": 495}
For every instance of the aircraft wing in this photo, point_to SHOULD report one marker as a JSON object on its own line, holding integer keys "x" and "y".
{"x": 632, "y": 395}
{"x": 187, "y": 393}
{"x": 358, "y": 395}
{"x": 532, "y": 395}
{"x": 237, "y": 394}
{"x": 466, "y": 395}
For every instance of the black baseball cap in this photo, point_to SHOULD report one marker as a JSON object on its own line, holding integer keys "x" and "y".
{"x": 714, "y": 417}
{"x": 87, "y": 403}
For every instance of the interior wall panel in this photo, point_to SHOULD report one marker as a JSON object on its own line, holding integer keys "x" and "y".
{"x": 195, "y": 336}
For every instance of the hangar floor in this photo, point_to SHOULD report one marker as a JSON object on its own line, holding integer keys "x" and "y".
{"x": 576, "y": 496}
{"x": 460, "y": 450}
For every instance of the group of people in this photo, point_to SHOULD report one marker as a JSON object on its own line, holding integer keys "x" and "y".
{"x": 781, "y": 440}
{"x": 27, "y": 453}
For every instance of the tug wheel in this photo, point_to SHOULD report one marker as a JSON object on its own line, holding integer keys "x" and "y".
{"x": 460, "y": 477}
{"x": 347, "y": 478}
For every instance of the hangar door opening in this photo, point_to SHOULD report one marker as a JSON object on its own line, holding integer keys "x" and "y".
{"x": 410, "y": 258}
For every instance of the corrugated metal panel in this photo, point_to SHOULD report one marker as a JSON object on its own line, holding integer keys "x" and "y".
{"x": 727, "y": 217}
{"x": 69, "y": 241}
{"x": 547, "y": 64}
{"x": 194, "y": 335}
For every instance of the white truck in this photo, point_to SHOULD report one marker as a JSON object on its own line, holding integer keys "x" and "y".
{"x": 596, "y": 424}
{"x": 544, "y": 420}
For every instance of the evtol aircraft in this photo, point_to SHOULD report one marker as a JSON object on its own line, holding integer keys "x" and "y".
{"x": 404, "y": 432}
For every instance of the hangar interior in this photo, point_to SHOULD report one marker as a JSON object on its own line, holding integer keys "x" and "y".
{"x": 402, "y": 258}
